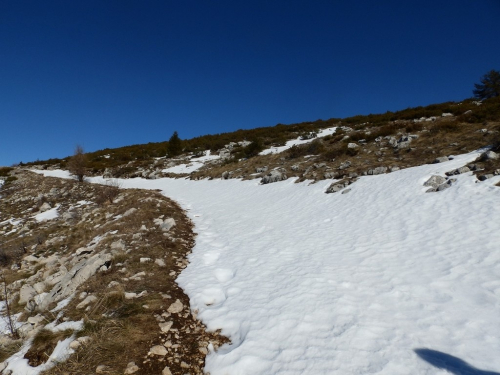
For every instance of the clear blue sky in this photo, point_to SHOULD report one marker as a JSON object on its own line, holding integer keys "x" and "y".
{"x": 113, "y": 73}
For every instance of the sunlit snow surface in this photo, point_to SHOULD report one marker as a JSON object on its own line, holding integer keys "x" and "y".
{"x": 298, "y": 141}
{"x": 309, "y": 283}
{"x": 193, "y": 165}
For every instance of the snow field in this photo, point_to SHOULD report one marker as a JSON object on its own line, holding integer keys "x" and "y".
{"x": 309, "y": 283}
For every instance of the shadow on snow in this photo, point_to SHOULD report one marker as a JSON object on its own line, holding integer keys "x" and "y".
{"x": 449, "y": 363}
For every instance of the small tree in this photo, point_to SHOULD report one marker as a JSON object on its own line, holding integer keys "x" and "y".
{"x": 489, "y": 86}
{"x": 174, "y": 145}
{"x": 77, "y": 164}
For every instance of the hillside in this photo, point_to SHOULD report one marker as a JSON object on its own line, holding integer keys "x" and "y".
{"x": 359, "y": 245}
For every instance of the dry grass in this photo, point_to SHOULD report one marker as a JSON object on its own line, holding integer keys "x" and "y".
{"x": 44, "y": 344}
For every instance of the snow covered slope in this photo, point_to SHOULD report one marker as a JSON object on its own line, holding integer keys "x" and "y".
{"x": 383, "y": 280}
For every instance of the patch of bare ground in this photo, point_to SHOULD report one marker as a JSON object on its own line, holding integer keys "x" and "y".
{"x": 130, "y": 306}
{"x": 332, "y": 157}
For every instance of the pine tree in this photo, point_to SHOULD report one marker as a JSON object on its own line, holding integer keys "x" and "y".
{"x": 489, "y": 86}
{"x": 174, "y": 145}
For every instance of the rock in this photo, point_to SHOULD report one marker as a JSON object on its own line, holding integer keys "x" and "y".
{"x": 166, "y": 371}
{"x": 26, "y": 293}
{"x": 225, "y": 175}
{"x": 45, "y": 207}
{"x": 35, "y": 320}
{"x": 158, "y": 350}
{"x": 345, "y": 191}
{"x": 435, "y": 181}
{"x": 102, "y": 369}
{"x": 485, "y": 177}
{"x": 167, "y": 224}
{"x": 443, "y": 187}
{"x": 458, "y": 171}
{"x": 352, "y": 145}
{"x": 261, "y": 170}
{"x": 294, "y": 167}
{"x": 145, "y": 260}
{"x": 165, "y": 327}
{"x": 394, "y": 169}
{"x": 489, "y": 155}
{"x": 378, "y": 170}
{"x": 468, "y": 112}
{"x": 118, "y": 245}
{"x": 447, "y": 114}
{"x": 130, "y": 212}
{"x": 80, "y": 273}
{"x": 273, "y": 176}
{"x": 160, "y": 262}
{"x": 88, "y": 300}
{"x": 441, "y": 159}
{"x": 69, "y": 215}
{"x": 131, "y": 368}
{"x": 345, "y": 165}
{"x": 75, "y": 344}
{"x": 175, "y": 307}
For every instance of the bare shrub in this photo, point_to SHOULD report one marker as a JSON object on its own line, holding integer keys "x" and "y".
{"x": 77, "y": 165}
{"x": 108, "y": 192}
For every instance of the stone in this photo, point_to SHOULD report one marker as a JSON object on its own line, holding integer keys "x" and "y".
{"x": 118, "y": 245}
{"x": 167, "y": 224}
{"x": 75, "y": 344}
{"x": 131, "y": 368}
{"x": 45, "y": 207}
{"x": 443, "y": 187}
{"x": 378, "y": 170}
{"x": 446, "y": 114}
{"x": 352, "y": 145}
{"x": 160, "y": 262}
{"x": 129, "y": 212}
{"x": 145, "y": 260}
{"x": 26, "y": 293}
{"x": 294, "y": 167}
{"x": 435, "y": 181}
{"x": 166, "y": 371}
{"x": 35, "y": 320}
{"x": 345, "y": 191}
{"x": 458, "y": 171}
{"x": 158, "y": 350}
{"x": 490, "y": 155}
{"x": 261, "y": 169}
{"x": 175, "y": 307}
{"x": 345, "y": 165}
{"x": 87, "y": 301}
{"x": 165, "y": 327}
{"x": 484, "y": 177}
{"x": 441, "y": 159}
{"x": 102, "y": 369}
{"x": 273, "y": 176}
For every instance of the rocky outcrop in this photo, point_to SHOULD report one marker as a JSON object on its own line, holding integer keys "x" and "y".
{"x": 80, "y": 273}
{"x": 273, "y": 176}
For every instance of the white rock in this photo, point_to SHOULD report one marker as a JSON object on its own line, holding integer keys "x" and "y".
{"x": 158, "y": 350}
{"x": 131, "y": 368}
{"x": 175, "y": 307}
{"x": 166, "y": 371}
{"x": 160, "y": 262}
{"x": 75, "y": 344}
{"x": 26, "y": 293}
{"x": 88, "y": 300}
{"x": 145, "y": 260}
{"x": 165, "y": 327}
{"x": 102, "y": 369}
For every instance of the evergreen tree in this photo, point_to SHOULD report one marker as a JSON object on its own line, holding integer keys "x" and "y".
{"x": 489, "y": 86}
{"x": 174, "y": 145}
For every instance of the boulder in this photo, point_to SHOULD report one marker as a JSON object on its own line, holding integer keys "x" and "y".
{"x": 45, "y": 207}
{"x": 273, "y": 176}
{"x": 458, "y": 171}
{"x": 435, "y": 181}
{"x": 378, "y": 170}
{"x": 261, "y": 169}
{"x": 175, "y": 307}
{"x": 490, "y": 155}
{"x": 345, "y": 165}
{"x": 441, "y": 159}
{"x": 352, "y": 145}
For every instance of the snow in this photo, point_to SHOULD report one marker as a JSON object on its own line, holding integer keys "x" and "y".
{"x": 19, "y": 365}
{"x": 298, "y": 141}
{"x": 48, "y": 215}
{"x": 193, "y": 165}
{"x": 366, "y": 282}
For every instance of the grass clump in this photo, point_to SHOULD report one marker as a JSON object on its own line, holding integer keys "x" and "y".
{"x": 44, "y": 344}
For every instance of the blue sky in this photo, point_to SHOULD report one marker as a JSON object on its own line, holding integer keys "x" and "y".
{"x": 113, "y": 73}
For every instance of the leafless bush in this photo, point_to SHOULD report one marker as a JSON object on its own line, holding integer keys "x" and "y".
{"x": 108, "y": 192}
{"x": 77, "y": 165}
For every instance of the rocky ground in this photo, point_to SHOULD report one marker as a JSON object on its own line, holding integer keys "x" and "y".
{"x": 101, "y": 262}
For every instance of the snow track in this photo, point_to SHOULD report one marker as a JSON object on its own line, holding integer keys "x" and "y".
{"x": 368, "y": 282}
